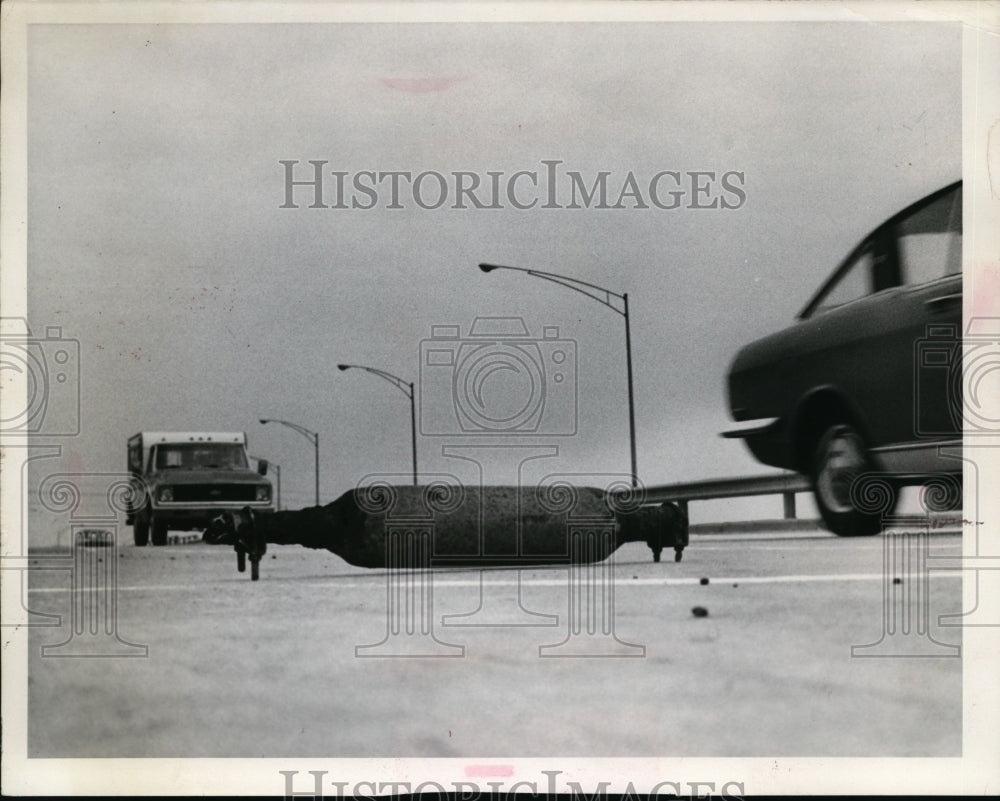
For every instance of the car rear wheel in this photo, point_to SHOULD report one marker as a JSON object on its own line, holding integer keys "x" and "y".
{"x": 140, "y": 531}
{"x": 159, "y": 529}
{"x": 841, "y": 456}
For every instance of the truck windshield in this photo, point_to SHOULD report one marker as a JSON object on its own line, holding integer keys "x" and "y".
{"x": 196, "y": 455}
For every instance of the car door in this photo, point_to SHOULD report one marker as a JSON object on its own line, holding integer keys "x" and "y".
{"x": 923, "y": 329}
{"x": 884, "y": 331}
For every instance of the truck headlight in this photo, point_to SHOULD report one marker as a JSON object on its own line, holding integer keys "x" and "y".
{"x": 166, "y": 494}
{"x": 263, "y": 493}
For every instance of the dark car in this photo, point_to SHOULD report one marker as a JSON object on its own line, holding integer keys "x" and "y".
{"x": 868, "y": 380}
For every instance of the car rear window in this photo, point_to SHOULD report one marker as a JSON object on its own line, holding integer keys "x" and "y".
{"x": 930, "y": 240}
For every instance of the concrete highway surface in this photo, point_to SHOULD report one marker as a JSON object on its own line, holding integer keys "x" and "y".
{"x": 742, "y": 649}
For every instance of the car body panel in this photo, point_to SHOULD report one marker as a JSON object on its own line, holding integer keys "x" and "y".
{"x": 863, "y": 359}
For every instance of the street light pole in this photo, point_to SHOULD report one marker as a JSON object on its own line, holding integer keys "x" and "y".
{"x": 631, "y": 394}
{"x": 312, "y": 436}
{"x": 413, "y": 433}
{"x": 407, "y": 389}
{"x": 602, "y": 296}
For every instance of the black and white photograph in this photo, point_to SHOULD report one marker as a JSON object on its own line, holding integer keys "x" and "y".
{"x": 548, "y": 398}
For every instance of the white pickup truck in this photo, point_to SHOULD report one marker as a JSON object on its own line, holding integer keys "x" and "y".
{"x": 185, "y": 478}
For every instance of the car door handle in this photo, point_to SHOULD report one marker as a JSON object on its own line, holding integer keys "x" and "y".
{"x": 943, "y": 301}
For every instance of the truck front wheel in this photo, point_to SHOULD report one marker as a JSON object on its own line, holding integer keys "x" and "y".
{"x": 140, "y": 530}
{"x": 159, "y": 529}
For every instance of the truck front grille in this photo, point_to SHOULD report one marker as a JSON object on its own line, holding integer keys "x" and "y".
{"x": 212, "y": 493}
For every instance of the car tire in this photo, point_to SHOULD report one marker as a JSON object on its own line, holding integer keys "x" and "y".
{"x": 840, "y": 457}
{"x": 140, "y": 531}
{"x": 159, "y": 531}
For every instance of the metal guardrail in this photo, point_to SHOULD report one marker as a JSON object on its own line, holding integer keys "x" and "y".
{"x": 784, "y": 484}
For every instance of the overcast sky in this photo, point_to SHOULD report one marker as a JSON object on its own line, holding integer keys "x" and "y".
{"x": 156, "y": 236}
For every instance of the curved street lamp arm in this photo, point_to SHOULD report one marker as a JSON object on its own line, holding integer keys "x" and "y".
{"x": 407, "y": 389}
{"x": 403, "y": 386}
{"x": 312, "y": 436}
{"x": 602, "y": 296}
{"x": 598, "y": 293}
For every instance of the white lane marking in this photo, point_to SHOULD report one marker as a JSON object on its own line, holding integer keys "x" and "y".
{"x": 531, "y": 582}
{"x": 832, "y": 544}
{"x": 736, "y": 536}
{"x": 798, "y": 536}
